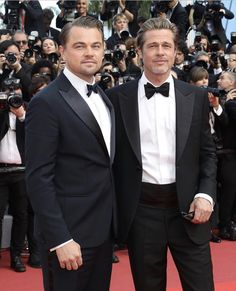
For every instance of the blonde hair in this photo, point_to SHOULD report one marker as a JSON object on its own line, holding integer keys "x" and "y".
{"x": 156, "y": 24}
{"x": 119, "y": 16}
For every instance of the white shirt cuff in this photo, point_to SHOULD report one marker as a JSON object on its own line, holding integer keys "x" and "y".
{"x": 218, "y": 111}
{"x": 205, "y": 196}
{"x": 217, "y": 71}
{"x": 61, "y": 245}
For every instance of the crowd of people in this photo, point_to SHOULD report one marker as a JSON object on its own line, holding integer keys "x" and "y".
{"x": 159, "y": 161}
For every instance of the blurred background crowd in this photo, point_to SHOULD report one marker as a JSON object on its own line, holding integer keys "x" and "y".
{"x": 30, "y": 60}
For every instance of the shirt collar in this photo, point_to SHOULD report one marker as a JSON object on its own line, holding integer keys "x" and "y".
{"x": 79, "y": 84}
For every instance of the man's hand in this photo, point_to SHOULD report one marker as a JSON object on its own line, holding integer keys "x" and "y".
{"x": 214, "y": 101}
{"x": 19, "y": 112}
{"x": 202, "y": 210}
{"x": 69, "y": 256}
{"x": 231, "y": 95}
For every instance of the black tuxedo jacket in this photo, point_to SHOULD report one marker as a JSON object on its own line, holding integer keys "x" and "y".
{"x": 180, "y": 18}
{"x": 68, "y": 168}
{"x": 195, "y": 153}
{"x": 33, "y": 17}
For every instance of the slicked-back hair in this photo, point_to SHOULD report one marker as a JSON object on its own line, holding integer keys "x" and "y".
{"x": 156, "y": 24}
{"x": 82, "y": 21}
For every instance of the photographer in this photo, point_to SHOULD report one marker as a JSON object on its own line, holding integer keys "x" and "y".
{"x": 211, "y": 24}
{"x": 121, "y": 33}
{"x": 11, "y": 66}
{"x": 226, "y": 118}
{"x": 12, "y": 177}
{"x": 127, "y": 7}
{"x": 26, "y": 15}
{"x": 174, "y": 11}
{"x": 21, "y": 38}
{"x": 104, "y": 78}
{"x": 71, "y": 10}
{"x": 49, "y": 31}
{"x": 123, "y": 59}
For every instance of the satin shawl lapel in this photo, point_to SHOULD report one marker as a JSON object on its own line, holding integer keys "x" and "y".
{"x": 80, "y": 107}
{"x": 112, "y": 114}
{"x": 129, "y": 112}
{"x": 184, "y": 112}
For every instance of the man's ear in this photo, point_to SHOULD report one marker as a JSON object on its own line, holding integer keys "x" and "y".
{"x": 139, "y": 52}
{"x": 61, "y": 51}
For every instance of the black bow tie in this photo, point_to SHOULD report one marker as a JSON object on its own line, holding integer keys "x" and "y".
{"x": 92, "y": 88}
{"x": 150, "y": 90}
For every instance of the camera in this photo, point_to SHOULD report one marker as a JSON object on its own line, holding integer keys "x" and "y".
{"x": 233, "y": 37}
{"x": 132, "y": 53}
{"x": 118, "y": 55}
{"x": 215, "y": 45}
{"x": 108, "y": 55}
{"x": 124, "y": 35}
{"x": 198, "y": 36}
{"x": 69, "y": 7}
{"x": 11, "y": 58}
{"x": 220, "y": 93}
{"x": 53, "y": 58}
{"x": 105, "y": 78}
{"x": 215, "y": 6}
{"x": 10, "y": 98}
{"x": 212, "y": 9}
{"x": 12, "y": 16}
{"x": 30, "y": 52}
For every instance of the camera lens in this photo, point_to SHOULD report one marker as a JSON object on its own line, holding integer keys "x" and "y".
{"x": 15, "y": 100}
{"x": 11, "y": 58}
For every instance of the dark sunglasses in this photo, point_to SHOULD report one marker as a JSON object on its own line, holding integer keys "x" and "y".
{"x": 22, "y": 41}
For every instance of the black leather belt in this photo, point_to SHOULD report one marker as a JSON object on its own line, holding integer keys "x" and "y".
{"x": 11, "y": 168}
{"x": 6, "y": 165}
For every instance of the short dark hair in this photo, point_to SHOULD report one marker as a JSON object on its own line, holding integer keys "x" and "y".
{"x": 48, "y": 14}
{"x": 82, "y": 21}
{"x": 155, "y": 24}
{"x": 6, "y": 44}
{"x": 197, "y": 74}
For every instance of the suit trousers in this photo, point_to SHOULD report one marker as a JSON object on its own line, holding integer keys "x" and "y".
{"x": 227, "y": 198}
{"x": 13, "y": 191}
{"x": 93, "y": 275}
{"x": 155, "y": 230}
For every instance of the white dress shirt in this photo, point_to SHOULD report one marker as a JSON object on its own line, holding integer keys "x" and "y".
{"x": 157, "y": 123}
{"x": 9, "y": 152}
{"x": 158, "y": 134}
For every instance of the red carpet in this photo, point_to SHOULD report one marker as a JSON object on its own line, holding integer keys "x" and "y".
{"x": 224, "y": 262}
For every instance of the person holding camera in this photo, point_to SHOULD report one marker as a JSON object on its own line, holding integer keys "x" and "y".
{"x": 127, "y": 7}
{"x": 121, "y": 33}
{"x": 226, "y": 118}
{"x": 21, "y": 38}
{"x": 50, "y": 51}
{"x": 12, "y": 177}
{"x": 71, "y": 10}
{"x": 49, "y": 31}
{"x": 211, "y": 23}
{"x": 26, "y": 15}
{"x": 11, "y": 66}
{"x": 174, "y": 11}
